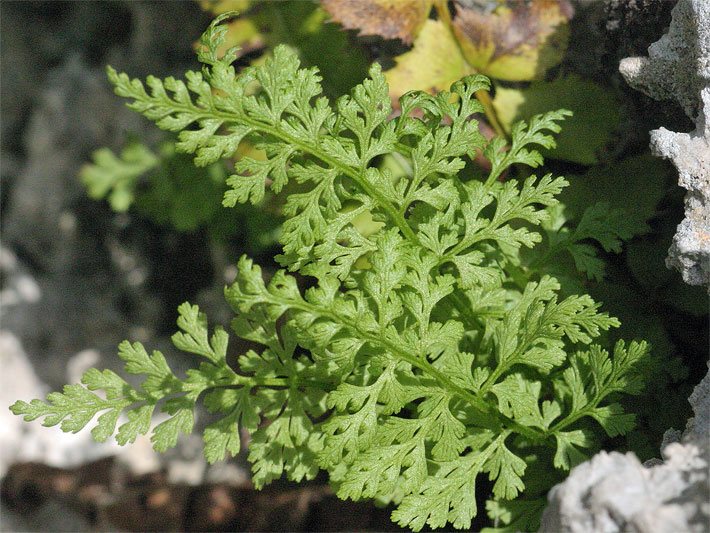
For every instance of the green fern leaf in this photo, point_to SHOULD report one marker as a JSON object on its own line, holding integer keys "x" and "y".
{"x": 425, "y": 353}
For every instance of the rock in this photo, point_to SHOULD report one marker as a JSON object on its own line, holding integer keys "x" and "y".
{"x": 87, "y": 276}
{"x": 626, "y": 29}
{"x": 76, "y": 105}
{"x": 23, "y": 442}
{"x": 185, "y": 464}
{"x": 699, "y": 427}
{"x": 690, "y": 153}
{"x": 677, "y": 65}
{"x": 55, "y": 267}
{"x": 614, "y": 492}
{"x": 76, "y": 278}
{"x": 632, "y": 25}
{"x": 678, "y": 68}
{"x": 19, "y": 286}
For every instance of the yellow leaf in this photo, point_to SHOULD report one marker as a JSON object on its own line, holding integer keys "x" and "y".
{"x": 433, "y": 63}
{"x": 247, "y": 149}
{"x": 518, "y": 41}
{"x": 244, "y": 34}
{"x": 507, "y": 104}
{"x": 391, "y": 19}
{"x": 217, "y": 7}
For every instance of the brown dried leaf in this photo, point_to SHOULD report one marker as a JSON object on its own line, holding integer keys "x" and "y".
{"x": 518, "y": 41}
{"x": 391, "y": 19}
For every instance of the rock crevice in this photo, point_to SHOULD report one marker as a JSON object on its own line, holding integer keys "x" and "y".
{"x": 678, "y": 68}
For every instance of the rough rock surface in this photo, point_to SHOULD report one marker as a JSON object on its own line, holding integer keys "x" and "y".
{"x": 690, "y": 153}
{"x": 615, "y": 492}
{"x": 678, "y": 67}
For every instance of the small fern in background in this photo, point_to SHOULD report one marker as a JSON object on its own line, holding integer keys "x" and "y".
{"x": 429, "y": 354}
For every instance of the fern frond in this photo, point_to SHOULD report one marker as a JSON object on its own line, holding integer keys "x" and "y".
{"x": 422, "y": 357}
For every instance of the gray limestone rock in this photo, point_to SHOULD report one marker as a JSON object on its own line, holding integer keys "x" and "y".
{"x": 21, "y": 441}
{"x": 53, "y": 265}
{"x": 678, "y": 68}
{"x": 690, "y": 153}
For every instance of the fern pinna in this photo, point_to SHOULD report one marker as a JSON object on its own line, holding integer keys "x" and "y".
{"x": 426, "y": 356}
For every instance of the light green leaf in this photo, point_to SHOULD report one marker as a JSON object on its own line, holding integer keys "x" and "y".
{"x": 116, "y": 178}
{"x": 568, "y": 454}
